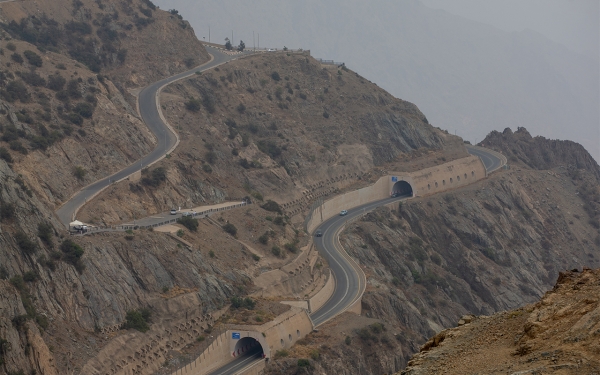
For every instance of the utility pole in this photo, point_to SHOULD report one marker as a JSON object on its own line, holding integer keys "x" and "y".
{"x": 232, "y": 37}
{"x": 258, "y": 41}
{"x": 209, "y": 33}
{"x": 253, "y": 41}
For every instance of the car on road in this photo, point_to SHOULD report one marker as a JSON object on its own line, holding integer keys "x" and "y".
{"x": 396, "y": 194}
{"x": 187, "y": 214}
{"x": 343, "y": 212}
{"x": 270, "y": 50}
{"x": 318, "y": 233}
{"x": 173, "y": 211}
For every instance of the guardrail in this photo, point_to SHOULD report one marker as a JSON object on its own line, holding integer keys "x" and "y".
{"x": 125, "y": 227}
{"x": 330, "y": 62}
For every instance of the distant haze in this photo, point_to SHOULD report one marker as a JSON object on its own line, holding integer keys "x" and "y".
{"x": 466, "y": 76}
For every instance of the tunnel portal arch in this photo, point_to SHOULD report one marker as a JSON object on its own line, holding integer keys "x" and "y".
{"x": 402, "y": 188}
{"x": 247, "y": 345}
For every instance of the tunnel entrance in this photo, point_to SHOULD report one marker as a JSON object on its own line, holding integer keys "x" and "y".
{"x": 247, "y": 346}
{"x": 402, "y": 188}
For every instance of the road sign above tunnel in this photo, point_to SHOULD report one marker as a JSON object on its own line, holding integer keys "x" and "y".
{"x": 394, "y": 179}
{"x": 235, "y": 335}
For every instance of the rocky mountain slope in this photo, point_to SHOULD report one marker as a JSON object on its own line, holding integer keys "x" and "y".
{"x": 272, "y": 127}
{"x": 65, "y": 66}
{"x": 276, "y": 126}
{"x": 68, "y": 119}
{"x": 496, "y": 245}
{"x": 558, "y": 334}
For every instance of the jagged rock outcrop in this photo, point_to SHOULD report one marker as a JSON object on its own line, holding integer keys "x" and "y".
{"x": 541, "y": 153}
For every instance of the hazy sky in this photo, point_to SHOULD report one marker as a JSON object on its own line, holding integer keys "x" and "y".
{"x": 471, "y": 66}
{"x": 574, "y": 23}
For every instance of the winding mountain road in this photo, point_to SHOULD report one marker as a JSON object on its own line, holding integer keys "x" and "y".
{"x": 350, "y": 281}
{"x": 349, "y": 278}
{"x": 148, "y": 102}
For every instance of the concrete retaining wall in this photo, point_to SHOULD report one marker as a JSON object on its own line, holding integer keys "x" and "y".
{"x": 425, "y": 182}
{"x": 447, "y": 176}
{"x": 215, "y": 356}
{"x": 319, "y": 299}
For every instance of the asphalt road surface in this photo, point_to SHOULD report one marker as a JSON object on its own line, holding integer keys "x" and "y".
{"x": 350, "y": 281}
{"x": 349, "y": 278}
{"x": 148, "y": 101}
{"x": 490, "y": 159}
{"x": 241, "y": 362}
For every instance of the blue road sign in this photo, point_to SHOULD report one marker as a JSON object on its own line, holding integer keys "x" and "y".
{"x": 394, "y": 179}
{"x": 235, "y": 335}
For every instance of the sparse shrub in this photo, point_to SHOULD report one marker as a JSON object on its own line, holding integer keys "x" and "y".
{"x": 207, "y": 168}
{"x": 180, "y": 233}
{"x": 209, "y": 103}
{"x": 303, "y": 362}
{"x": 241, "y": 108}
{"x": 7, "y": 211}
{"x": 32, "y": 79}
{"x": 264, "y": 239}
{"x": 269, "y": 147}
{"x": 5, "y": 155}
{"x": 26, "y": 245}
{"x": 348, "y": 340}
{"x": 11, "y": 46}
{"x": 16, "y": 57}
{"x": 435, "y": 258}
{"x": 16, "y": 145}
{"x": 275, "y": 76}
{"x": 79, "y": 172}
{"x": 33, "y": 58}
{"x": 72, "y": 254}
{"x": 193, "y": 104}
{"x": 489, "y": 253}
{"x": 246, "y": 303}
{"x": 211, "y": 254}
{"x": 155, "y": 178}
{"x": 75, "y": 118}
{"x": 30, "y": 276}
{"x": 272, "y": 206}
{"x": 255, "y": 257}
{"x": 326, "y": 114}
{"x": 188, "y": 222}
{"x": 211, "y": 157}
{"x": 275, "y": 250}
{"x": 45, "y": 232}
{"x": 292, "y": 247}
{"x": 377, "y": 328}
{"x": 365, "y": 335}
{"x": 138, "y": 320}
{"x": 230, "y": 228}
{"x": 281, "y": 353}
{"x": 84, "y": 109}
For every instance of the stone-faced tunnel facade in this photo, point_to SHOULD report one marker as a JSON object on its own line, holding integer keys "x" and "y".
{"x": 281, "y": 333}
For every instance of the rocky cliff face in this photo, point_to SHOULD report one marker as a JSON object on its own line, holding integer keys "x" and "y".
{"x": 65, "y": 66}
{"x": 496, "y": 245}
{"x": 559, "y": 334}
{"x": 541, "y": 153}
